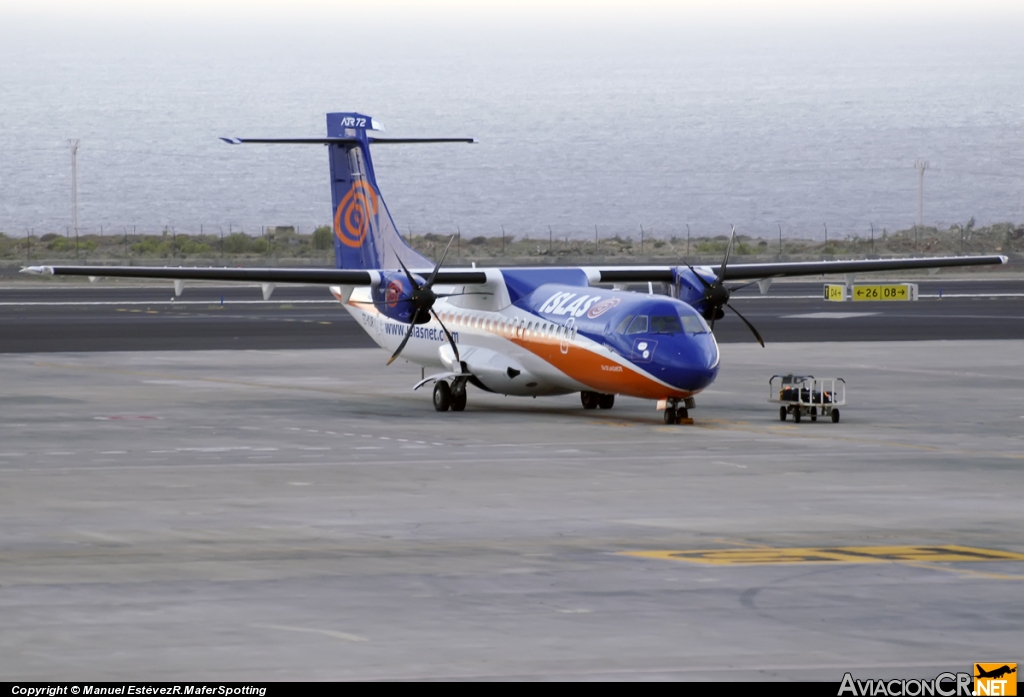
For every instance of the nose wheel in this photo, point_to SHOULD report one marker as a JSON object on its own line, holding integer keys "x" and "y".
{"x": 676, "y": 414}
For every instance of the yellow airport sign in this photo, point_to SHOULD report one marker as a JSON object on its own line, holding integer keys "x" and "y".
{"x": 836, "y": 292}
{"x": 887, "y": 291}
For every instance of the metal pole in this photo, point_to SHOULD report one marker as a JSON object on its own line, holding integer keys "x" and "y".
{"x": 73, "y": 144}
{"x": 551, "y": 239}
{"x": 595, "y": 239}
{"x": 872, "y": 238}
{"x": 780, "y": 238}
{"x": 458, "y": 241}
{"x": 641, "y": 240}
{"x": 826, "y": 233}
{"x": 687, "y": 240}
{"x": 502, "y": 240}
{"x": 921, "y": 166}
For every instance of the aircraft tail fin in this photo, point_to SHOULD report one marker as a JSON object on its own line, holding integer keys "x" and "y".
{"x": 365, "y": 236}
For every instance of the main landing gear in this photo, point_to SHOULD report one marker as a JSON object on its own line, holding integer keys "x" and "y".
{"x": 676, "y": 414}
{"x": 593, "y": 400}
{"x": 451, "y": 396}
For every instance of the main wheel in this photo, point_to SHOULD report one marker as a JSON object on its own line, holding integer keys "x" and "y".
{"x": 814, "y": 413}
{"x": 835, "y": 416}
{"x": 459, "y": 400}
{"x": 606, "y": 401}
{"x": 796, "y": 414}
{"x": 589, "y": 399}
{"x": 670, "y": 415}
{"x": 442, "y": 395}
{"x": 782, "y": 413}
{"x": 682, "y": 413}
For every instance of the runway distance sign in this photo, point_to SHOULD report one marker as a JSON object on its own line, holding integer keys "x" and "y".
{"x": 889, "y": 291}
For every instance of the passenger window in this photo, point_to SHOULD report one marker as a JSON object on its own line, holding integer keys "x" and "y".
{"x": 638, "y": 325}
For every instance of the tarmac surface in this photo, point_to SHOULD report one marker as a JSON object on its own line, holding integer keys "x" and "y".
{"x": 273, "y": 515}
{"x": 58, "y": 316}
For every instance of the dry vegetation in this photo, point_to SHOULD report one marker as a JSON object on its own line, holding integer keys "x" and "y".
{"x": 283, "y": 245}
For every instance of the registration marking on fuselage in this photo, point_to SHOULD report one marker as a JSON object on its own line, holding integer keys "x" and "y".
{"x": 831, "y": 555}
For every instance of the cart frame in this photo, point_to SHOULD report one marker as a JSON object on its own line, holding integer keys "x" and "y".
{"x": 806, "y": 395}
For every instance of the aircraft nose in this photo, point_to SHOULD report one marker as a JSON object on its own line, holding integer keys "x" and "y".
{"x": 692, "y": 364}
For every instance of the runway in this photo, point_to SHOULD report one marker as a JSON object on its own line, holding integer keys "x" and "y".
{"x": 84, "y": 317}
{"x": 301, "y": 514}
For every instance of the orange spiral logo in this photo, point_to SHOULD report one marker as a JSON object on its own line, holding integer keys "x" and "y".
{"x": 352, "y": 219}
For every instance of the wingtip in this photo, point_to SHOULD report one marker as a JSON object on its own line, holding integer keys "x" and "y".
{"x": 37, "y": 270}
{"x": 231, "y": 141}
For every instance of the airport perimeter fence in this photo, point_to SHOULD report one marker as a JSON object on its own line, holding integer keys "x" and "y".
{"x": 313, "y": 245}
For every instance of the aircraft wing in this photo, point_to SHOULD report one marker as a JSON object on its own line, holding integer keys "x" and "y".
{"x": 615, "y": 274}
{"x": 737, "y": 272}
{"x": 344, "y": 277}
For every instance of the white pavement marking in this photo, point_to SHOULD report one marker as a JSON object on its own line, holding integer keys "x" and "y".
{"x": 830, "y": 315}
{"x": 167, "y": 302}
{"x": 344, "y": 636}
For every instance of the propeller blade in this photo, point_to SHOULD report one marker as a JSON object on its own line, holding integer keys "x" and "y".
{"x": 408, "y": 275}
{"x": 405, "y": 340}
{"x": 699, "y": 277}
{"x": 751, "y": 326}
{"x": 430, "y": 281}
{"x": 451, "y": 339}
{"x": 728, "y": 253}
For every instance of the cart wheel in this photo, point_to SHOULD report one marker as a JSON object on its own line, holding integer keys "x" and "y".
{"x": 835, "y": 416}
{"x": 814, "y": 413}
{"x": 782, "y": 413}
{"x": 796, "y": 414}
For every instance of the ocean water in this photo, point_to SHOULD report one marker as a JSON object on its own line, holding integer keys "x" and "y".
{"x": 614, "y": 127}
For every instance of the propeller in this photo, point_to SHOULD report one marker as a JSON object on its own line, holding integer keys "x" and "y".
{"x": 423, "y": 299}
{"x": 716, "y": 295}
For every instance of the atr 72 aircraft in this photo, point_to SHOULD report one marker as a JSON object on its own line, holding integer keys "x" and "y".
{"x": 514, "y": 331}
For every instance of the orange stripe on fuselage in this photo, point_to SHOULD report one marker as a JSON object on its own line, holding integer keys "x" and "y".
{"x": 597, "y": 371}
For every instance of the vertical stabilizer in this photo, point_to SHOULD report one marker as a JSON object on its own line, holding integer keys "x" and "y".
{"x": 365, "y": 236}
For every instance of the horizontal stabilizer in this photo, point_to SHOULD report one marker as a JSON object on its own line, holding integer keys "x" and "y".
{"x": 329, "y": 141}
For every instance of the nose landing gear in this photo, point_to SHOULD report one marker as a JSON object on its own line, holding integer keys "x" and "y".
{"x": 676, "y": 414}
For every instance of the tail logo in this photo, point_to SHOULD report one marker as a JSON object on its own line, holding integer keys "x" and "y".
{"x": 352, "y": 219}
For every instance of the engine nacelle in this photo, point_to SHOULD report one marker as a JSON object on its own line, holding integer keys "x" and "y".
{"x": 394, "y": 297}
{"x": 690, "y": 289}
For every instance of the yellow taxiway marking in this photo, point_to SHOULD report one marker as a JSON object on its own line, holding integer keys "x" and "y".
{"x": 831, "y": 555}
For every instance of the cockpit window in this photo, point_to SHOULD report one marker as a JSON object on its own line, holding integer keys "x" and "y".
{"x": 695, "y": 324}
{"x": 638, "y": 325}
{"x": 665, "y": 324}
{"x": 689, "y": 322}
